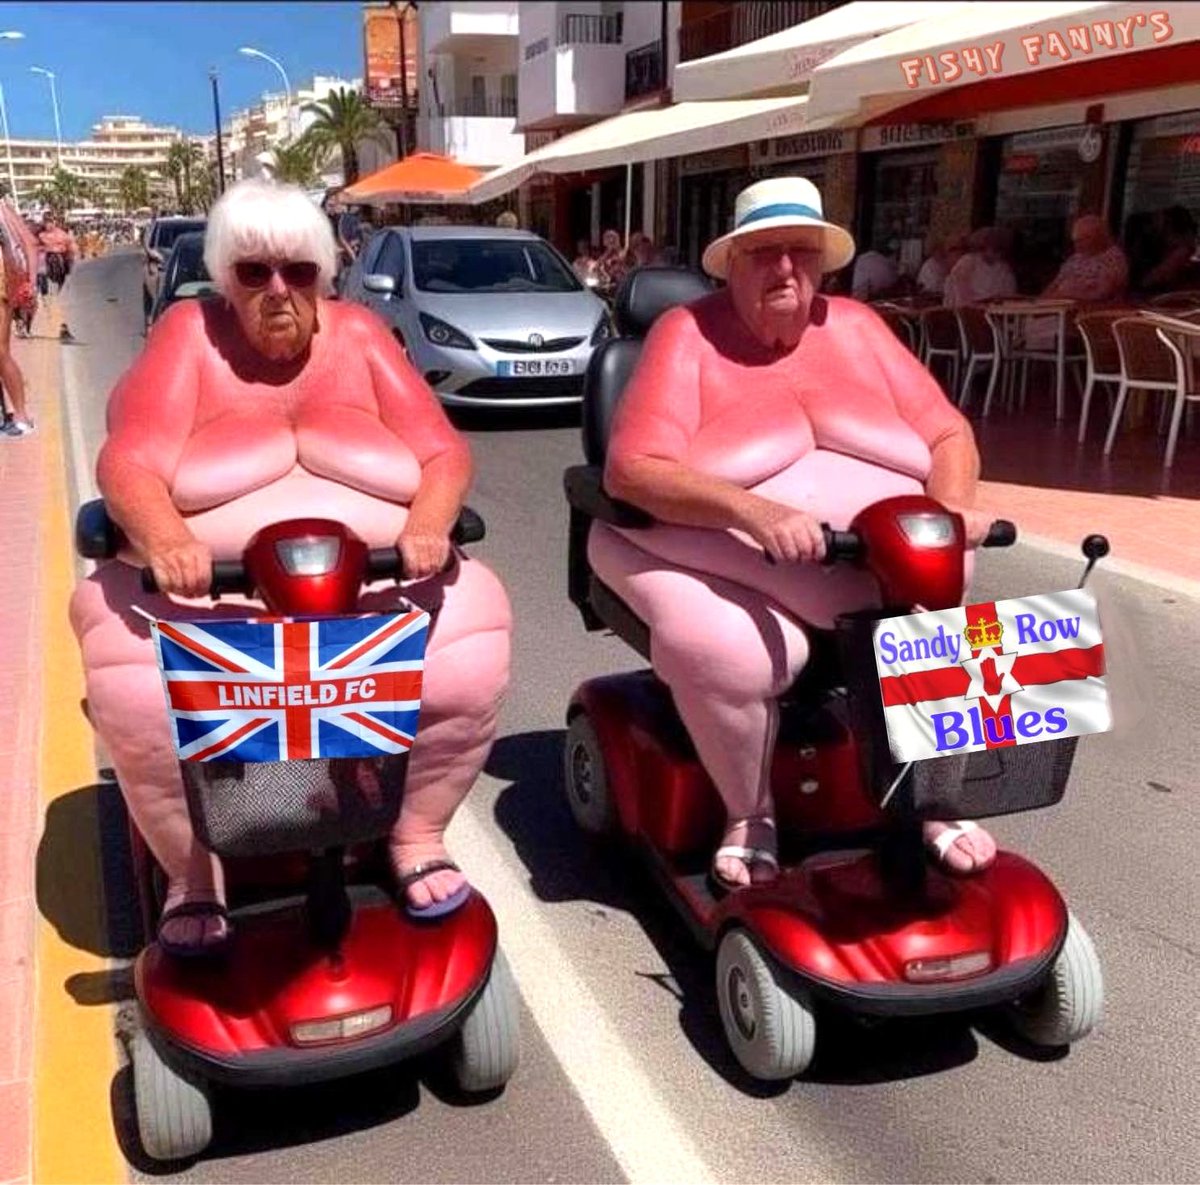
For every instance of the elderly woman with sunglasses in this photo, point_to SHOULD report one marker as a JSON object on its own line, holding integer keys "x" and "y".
{"x": 271, "y": 403}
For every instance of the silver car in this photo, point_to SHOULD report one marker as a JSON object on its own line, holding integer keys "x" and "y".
{"x": 490, "y": 317}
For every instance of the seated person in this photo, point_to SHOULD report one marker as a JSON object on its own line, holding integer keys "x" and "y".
{"x": 982, "y": 274}
{"x": 1177, "y": 268}
{"x": 875, "y": 275}
{"x": 755, "y": 414}
{"x": 1095, "y": 273}
{"x": 931, "y": 279}
{"x": 270, "y": 404}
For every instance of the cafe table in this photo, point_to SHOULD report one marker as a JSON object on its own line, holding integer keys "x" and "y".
{"x": 1012, "y": 318}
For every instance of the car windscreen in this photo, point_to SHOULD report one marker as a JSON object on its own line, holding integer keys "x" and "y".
{"x": 167, "y": 232}
{"x": 489, "y": 265}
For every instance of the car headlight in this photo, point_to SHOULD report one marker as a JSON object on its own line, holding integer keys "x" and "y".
{"x": 603, "y": 331}
{"x": 442, "y": 334}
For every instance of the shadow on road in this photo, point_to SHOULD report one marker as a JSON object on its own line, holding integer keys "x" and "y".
{"x": 563, "y": 865}
{"x": 514, "y": 419}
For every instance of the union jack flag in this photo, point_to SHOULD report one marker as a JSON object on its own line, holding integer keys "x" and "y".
{"x": 283, "y": 689}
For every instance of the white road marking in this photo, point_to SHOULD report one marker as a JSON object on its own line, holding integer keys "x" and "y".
{"x": 624, "y": 1104}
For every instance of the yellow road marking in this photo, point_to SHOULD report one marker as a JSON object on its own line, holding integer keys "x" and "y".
{"x": 75, "y": 1055}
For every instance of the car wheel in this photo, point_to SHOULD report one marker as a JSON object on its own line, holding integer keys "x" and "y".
{"x": 771, "y": 1033}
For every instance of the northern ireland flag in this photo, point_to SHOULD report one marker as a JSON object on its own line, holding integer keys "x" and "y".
{"x": 993, "y": 674}
{"x": 282, "y": 689}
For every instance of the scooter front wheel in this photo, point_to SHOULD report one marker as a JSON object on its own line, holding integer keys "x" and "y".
{"x": 488, "y": 1045}
{"x": 772, "y": 1034}
{"x": 174, "y": 1115}
{"x": 1070, "y": 1003}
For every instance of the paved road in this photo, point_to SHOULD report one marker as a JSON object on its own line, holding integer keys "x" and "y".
{"x": 625, "y": 1073}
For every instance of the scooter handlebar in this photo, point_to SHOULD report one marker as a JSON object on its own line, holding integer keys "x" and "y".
{"x": 1001, "y": 534}
{"x": 228, "y": 576}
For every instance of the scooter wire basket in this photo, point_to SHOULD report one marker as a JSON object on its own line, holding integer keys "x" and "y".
{"x": 264, "y": 808}
{"x": 964, "y": 786}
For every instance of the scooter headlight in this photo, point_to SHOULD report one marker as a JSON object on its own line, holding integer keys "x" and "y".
{"x": 942, "y": 970}
{"x": 928, "y": 530}
{"x": 313, "y": 555}
{"x": 342, "y": 1028}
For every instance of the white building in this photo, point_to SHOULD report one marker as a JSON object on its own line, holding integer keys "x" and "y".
{"x": 255, "y": 131}
{"x": 117, "y": 142}
{"x": 468, "y": 55}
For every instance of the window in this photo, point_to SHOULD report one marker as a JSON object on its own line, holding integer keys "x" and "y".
{"x": 489, "y": 265}
{"x": 389, "y": 257}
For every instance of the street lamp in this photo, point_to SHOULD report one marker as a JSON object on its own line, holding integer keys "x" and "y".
{"x": 287, "y": 86}
{"x": 9, "y": 35}
{"x": 54, "y": 99}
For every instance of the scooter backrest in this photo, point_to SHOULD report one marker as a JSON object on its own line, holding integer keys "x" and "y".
{"x": 643, "y": 297}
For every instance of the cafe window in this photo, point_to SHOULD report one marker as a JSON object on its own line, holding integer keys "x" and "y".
{"x": 903, "y": 187}
{"x": 1038, "y": 193}
{"x": 1164, "y": 165}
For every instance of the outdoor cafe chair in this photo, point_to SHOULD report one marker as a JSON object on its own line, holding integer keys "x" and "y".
{"x": 901, "y": 326}
{"x": 980, "y": 347}
{"x": 1103, "y": 357}
{"x": 1149, "y": 362}
{"x": 1176, "y": 300}
{"x": 940, "y": 339}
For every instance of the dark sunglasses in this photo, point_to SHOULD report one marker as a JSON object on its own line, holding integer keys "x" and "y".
{"x": 254, "y": 273}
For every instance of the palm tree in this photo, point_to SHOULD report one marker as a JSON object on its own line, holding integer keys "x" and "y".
{"x": 298, "y": 161}
{"x": 134, "y": 189}
{"x": 62, "y": 191}
{"x": 183, "y": 158}
{"x": 342, "y": 121}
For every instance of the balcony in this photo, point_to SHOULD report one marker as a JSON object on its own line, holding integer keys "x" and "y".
{"x": 462, "y": 26}
{"x": 585, "y": 28}
{"x": 746, "y": 21}
{"x": 486, "y": 141}
{"x": 474, "y": 107}
{"x": 643, "y": 71}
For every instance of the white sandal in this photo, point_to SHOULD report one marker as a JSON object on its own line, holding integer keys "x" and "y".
{"x": 946, "y": 840}
{"x": 749, "y": 856}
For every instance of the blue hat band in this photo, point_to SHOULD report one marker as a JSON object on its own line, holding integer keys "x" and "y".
{"x": 780, "y": 210}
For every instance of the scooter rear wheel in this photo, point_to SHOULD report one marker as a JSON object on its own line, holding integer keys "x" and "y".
{"x": 174, "y": 1115}
{"x": 1070, "y": 1003}
{"x": 586, "y": 779}
{"x": 772, "y": 1034}
{"x": 487, "y": 1048}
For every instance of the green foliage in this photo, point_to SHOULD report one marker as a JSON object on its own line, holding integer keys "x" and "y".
{"x": 343, "y": 121}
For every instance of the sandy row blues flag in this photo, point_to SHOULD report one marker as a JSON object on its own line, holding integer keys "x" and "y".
{"x": 993, "y": 674}
{"x": 282, "y": 689}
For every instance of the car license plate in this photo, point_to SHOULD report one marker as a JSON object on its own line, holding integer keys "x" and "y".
{"x": 533, "y": 366}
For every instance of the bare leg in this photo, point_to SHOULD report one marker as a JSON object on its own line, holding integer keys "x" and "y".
{"x": 10, "y": 372}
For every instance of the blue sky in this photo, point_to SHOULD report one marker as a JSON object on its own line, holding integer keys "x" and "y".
{"x": 152, "y": 59}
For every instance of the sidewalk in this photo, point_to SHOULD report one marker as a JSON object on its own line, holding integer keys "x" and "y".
{"x": 1036, "y": 474}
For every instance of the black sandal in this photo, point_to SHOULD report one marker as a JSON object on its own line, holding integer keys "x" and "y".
{"x": 206, "y": 910}
{"x": 437, "y": 909}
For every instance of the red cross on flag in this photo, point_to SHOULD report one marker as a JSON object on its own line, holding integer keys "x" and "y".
{"x": 993, "y": 674}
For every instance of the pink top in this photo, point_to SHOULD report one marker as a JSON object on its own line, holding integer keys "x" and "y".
{"x": 708, "y": 395}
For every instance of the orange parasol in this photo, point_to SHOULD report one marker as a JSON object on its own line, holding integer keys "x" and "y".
{"x": 421, "y": 177}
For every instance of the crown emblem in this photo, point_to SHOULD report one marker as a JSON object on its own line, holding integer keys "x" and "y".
{"x": 983, "y": 634}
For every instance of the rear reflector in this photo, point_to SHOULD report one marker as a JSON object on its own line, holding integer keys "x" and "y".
{"x": 342, "y": 1028}
{"x": 941, "y": 970}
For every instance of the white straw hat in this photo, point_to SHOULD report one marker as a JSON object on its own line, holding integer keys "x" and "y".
{"x": 776, "y": 202}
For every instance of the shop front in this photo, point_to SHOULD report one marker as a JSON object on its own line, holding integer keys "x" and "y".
{"x": 709, "y": 183}
{"x": 906, "y": 172}
{"x": 1163, "y": 168}
{"x": 1045, "y": 179}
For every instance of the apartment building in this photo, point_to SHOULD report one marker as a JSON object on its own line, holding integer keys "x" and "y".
{"x": 468, "y": 56}
{"x": 117, "y": 142}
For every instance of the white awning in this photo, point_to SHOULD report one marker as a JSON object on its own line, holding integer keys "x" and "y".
{"x": 786, "y": 60}
{"x": 654, "y": 134}
{"x": 973, "y": 41}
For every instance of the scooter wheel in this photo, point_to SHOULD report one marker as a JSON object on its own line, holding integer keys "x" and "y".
{"x": 586, "y": 779}
{"x": 489, "y": 1043}
{"x": 1070, "y": 1003}
{"x": 772, "y": 1034}
{"x": 174, "y": 1115}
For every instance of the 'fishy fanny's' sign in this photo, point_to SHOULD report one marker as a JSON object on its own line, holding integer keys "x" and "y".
{"x": 991, "y": 675}
{"x": 280, "y": 689}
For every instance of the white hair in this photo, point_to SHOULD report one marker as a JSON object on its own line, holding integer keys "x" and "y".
{"x": 262, "y": 219}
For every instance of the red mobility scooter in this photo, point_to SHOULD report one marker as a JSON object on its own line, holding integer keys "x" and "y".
{"x": 325, "y": 975}
{"x": 859, "y": 918}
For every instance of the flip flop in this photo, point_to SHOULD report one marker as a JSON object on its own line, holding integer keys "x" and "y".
{"x": 942, "y": 844}
{"x": 437, "y": 909}
{"x": 749, "y": 857}
{"x": 207, "y": 911}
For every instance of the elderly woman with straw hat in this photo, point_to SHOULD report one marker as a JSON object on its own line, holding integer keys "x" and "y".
{"x": 755, "y": 414}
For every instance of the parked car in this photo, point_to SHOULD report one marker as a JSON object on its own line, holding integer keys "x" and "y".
{"x": 184, "y": 275}
{"x": 159, "y": 239}
{"x": 490, "y": 317}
